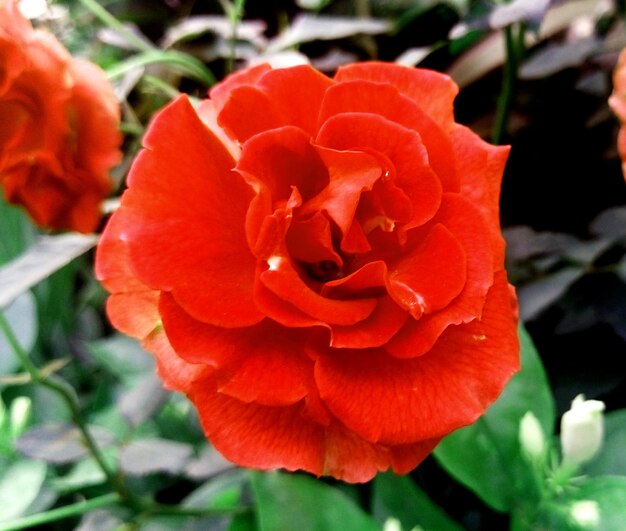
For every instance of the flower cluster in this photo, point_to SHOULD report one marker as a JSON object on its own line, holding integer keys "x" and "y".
{"x": 317, "y": 263}
{"x": 59, "y": 135}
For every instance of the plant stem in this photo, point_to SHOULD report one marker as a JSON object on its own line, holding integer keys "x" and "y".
{"x": 75, "y": 509}
{"x": 514, "y": 49}
{"x": 234, "y": 12}
{"x": 110, "y": 21}
{"x": 67, "y": 394}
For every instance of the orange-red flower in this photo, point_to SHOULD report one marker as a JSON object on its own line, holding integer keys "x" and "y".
{"x": 59, "y": 127}
{"x": 317, "y": 263}
{"x": 617, "y": 101}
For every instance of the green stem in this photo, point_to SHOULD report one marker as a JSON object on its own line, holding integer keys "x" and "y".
{"x": 110, "y": 21}
{"x": 234, "y": 12}
{"x": 66, "y": 392}
{"x": 513, "y": 54}
{"x": 75, "y": 509}
{"x": 188, "y": 64}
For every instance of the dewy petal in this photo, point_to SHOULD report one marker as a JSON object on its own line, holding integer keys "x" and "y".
{"x": 403, "y": 147}
{"x": 467, "y": 225}
{"x": 431, "y": 275}
{"x": 285, "y": 282}
{"x": 298, "y": 94}
{"x": 385, "y": 100}
{"x": 392, "y": 401}
{"x": 186, "y": 212}
{"x": 258, "y": 436}
{"x": 432, "y": 91}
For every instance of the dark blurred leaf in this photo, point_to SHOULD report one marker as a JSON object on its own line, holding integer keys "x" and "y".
{"x": 19, "y": 486}
{"x": 209, "y": 463}
{"x": 523, "y": 242}
{"x": 143, "y": 400}
{"x": 610, "y": 224}
{"x": 48, "y": 255}
{"x": 611, "y": 460}
{"x": 485, "y": 457}
{"x": 306, "y": 28}
{"x": 288, "y": 502}
{"x": 399, "y": 497}
{"x": 530, "y": 11}
{"x": 243, "y": 522}
{"x": 147, "y": 456}
{"x": 540, "y": 294}
{"x": 556, "y": 57}
{"x": 21, "y": 315}
{"x": 59, "y": 443}
{"x": 121, "y": 356}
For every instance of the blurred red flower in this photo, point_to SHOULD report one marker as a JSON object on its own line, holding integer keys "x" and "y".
{"x": 59, "y": 127}
{"x": 617, "y": 101}
{"x": 317, "y": 263}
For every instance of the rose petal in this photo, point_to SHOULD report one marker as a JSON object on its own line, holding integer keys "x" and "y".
{"x": 482, "y": 167}
{"x": 404, "y": 148}
{"x": 432, "y": 91}
{"x": 466, "y": 223}
{"x": 285, "y": 282}
{"x": 185, "y": 220}
{"x": 431, "y": 275}
{"x": 351, "y": 173}
{"x": 298, "y": 94}
{"x": 257, "y": 436}
{"x": 374, "y": 331}
{"x": 248, "y": 76}
{"x": 393, "y": 401}
{"x": 311, "y": 241}
{"x": 384, "y": 99}
{"x": 247, "y": 112}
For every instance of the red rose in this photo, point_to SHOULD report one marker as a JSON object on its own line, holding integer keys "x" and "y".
{"x": 617, "y": 101}
{"x": 322, "y": 272}
{"x": 59, "y": 134}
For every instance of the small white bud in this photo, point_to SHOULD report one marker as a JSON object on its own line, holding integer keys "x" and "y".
{"x": 21, "y": 409}
{"x": 582, "y": 430}
{"x": 531, "y": 437}
{"x": 586, "y": 514}
{"x": 392, "y": 524}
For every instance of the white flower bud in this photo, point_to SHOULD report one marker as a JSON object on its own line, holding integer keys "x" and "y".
{"x": 531, "y": 437}
{"x": 582, "y": 430}
{"x": 586, "y": 514}
{"x": 21, "y": 409}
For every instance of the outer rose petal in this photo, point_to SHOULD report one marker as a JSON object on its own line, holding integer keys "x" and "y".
{"x": 392, "y": 401}
{"x": 221, "y": 92}
{"x": 433, "y": 92}
{"x": 170, "y": 205}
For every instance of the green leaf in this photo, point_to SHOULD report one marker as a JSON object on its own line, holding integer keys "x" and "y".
{"x": 399, "y": 497}
{"x": 121, "y": 356}
{"x": 287, "y": 502}
{"x": 19, "y": 486}
{"x": 611, "y": 458}
{"x": 485, "y": 457}
{"x": 609, "y": 492}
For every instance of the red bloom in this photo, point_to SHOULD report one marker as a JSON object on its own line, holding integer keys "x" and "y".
{"x": 59, "y": 134}
{"x": 617, "y": 101}
{"x": 322, "y": 272}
